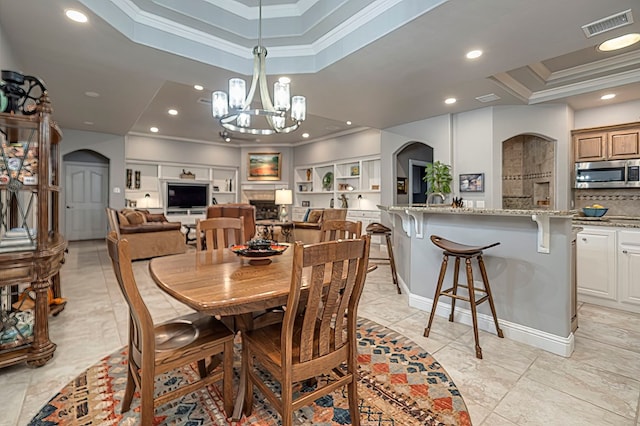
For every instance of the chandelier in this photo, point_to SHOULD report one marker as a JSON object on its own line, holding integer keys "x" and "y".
{"x": 235, "y": 112}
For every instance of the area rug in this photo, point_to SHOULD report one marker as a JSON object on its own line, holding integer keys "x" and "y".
{"x": 399, "y": 384}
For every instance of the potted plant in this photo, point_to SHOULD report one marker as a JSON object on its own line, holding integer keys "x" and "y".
{"x": 438, "y": 178}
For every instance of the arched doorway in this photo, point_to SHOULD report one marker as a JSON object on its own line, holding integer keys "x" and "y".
{"x": 86, "y": 194}
{"x": 411, "y": 160}
{"x": 528, "y": 172}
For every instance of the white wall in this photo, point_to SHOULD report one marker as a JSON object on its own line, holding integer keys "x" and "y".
{"x": 8, "y": 60}
{"x": 184, "y": 152}
{"x": 627, "y": 112}
{"x": 435, "y": 132}
{"x": 355, "y": 145}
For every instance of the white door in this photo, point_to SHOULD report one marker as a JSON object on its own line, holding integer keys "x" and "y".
{"x": 86, "y": 199}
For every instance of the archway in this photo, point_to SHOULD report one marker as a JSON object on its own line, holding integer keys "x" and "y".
{"x": 528, "y": 172}
{"x": 86, "y": 194}
{"x": 410, "y": 162}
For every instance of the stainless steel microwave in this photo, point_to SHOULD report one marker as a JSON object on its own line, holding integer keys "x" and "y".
{"x": 608, "y": 174}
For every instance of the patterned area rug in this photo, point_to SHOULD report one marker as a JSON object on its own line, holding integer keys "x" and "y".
{"x": 400, "y": 384}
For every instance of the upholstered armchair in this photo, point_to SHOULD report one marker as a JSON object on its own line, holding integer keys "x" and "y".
{"x": 309, "y": 231}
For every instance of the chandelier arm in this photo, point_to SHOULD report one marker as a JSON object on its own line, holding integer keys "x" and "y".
{"x": 254, "y": 80}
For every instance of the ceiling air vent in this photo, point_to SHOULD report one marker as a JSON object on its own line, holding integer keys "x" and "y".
{"x": 488, "y": 98}
{"x": 607, "y": 24}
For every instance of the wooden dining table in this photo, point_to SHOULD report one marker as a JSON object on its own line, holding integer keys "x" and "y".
{"x": 223, "y": 284}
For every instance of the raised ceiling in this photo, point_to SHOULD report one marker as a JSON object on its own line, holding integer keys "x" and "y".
{"x": 378, "y": 63}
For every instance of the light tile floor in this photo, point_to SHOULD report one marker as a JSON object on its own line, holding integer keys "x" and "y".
{"x": 514, "y": 384}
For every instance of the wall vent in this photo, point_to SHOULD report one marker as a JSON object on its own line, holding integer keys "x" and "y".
{"x": 488, "y": 98}
{"x": 609, "y": 23}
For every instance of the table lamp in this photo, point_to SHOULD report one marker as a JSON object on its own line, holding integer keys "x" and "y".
{"x": 284, "y": 197}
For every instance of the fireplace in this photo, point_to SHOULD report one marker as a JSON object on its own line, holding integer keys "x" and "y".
{"x": 265, "y": 209}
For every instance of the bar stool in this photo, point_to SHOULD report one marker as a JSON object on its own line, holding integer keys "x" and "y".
{"x": 467, "y": 252}
{"x": 376, "y": 228}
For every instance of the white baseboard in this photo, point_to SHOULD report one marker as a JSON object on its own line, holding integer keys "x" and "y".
{"x": 558, "y": 345}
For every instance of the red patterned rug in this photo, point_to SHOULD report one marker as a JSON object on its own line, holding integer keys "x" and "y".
{"x": 399, "y": 384}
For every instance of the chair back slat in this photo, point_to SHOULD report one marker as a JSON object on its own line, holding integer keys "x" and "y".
{"x": 337, "y": 274}
{"x": 340, "y": 230}
{"x": 219, "y": 232}
{"x": 112, "y": 216}
{"x": 141, "y": 322}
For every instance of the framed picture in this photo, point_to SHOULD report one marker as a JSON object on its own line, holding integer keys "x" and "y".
{"x": 306, "y": 203}
{"x": 473, "y": 182}
{"x": 401, "y": 185}
{"x": 264, "y": 165}
{"x": 355, "y": 171}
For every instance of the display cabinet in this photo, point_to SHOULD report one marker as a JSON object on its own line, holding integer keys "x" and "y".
{"x": 31, "y": 246}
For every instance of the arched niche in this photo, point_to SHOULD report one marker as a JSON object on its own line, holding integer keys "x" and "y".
{"x": 528, "y": 172}
{"x": 410, "y": 161}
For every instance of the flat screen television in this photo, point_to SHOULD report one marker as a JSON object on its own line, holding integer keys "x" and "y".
{"x": 187, "y": 196}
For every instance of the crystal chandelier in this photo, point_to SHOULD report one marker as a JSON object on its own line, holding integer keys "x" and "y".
{"x": 235, "y": 112}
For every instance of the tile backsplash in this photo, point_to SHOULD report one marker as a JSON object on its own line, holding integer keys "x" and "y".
{"x": 620, "y": 202}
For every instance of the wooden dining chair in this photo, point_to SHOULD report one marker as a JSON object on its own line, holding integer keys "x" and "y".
{"x": 340, "y": 230}
{"x": 219, "y": 232}
{"x": 315, "y": 340}
{"x": 159, "y": 349}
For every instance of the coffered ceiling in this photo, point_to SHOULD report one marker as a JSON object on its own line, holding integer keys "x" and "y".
{"x": 377, "y": 63}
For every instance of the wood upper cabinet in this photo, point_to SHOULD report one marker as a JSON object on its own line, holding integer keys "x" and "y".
{"x": 624, "y": 144}
{"x": 607, "y": 143}
{"x": 590, "y": 146}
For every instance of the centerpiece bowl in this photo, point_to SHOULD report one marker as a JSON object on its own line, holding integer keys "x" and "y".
{"x": 594, "y": 211}
{"x": 259, "y": 251}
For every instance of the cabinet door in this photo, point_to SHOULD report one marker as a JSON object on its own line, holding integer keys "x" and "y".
{"x": 596, "y": 263}
{"x": 629, "y": 267}
{"x": 590, "y": 146}
{"x": 624, "y": 144}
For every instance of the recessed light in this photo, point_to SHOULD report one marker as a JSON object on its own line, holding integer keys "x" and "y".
{"x": 608, "y": 96}
{"x": 284, "y": 80}
{"x": 198, "y": 87}
{"x": 474, "y": 54}
{"x": 450, "y": 101}
{"x": 305, "y": 135}
{"x": 348, "y": 123}
{"x": 154, "y": 130}
{"x": 619, "y": 42}
{"x": 173, "y": 111}
{"x": 88, "y": 123}
{"x": 92, "y": 94}
{"x": 76, "y": 15}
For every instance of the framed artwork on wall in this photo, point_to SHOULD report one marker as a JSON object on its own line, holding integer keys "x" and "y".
{"x": 401, "y": 185}
{"x": 472, "y": 182}
{"x": 264, "y": 165}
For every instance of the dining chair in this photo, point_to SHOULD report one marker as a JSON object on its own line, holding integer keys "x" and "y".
{"x": 315, "y": 340}
{"x": 219, "y": 232}
{"x": 160, "y": 349}
{"x": 340, "y": 229}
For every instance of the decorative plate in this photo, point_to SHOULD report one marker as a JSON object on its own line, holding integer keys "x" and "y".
{"x": 244, "y": 250}
{"x": 327, "y": 181}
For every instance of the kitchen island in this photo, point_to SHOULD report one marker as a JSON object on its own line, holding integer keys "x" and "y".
{"x": 531, "y": 272}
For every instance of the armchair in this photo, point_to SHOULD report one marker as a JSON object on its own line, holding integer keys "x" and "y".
{"x": 246, "y": 211}
{"x": 310, "y": 231}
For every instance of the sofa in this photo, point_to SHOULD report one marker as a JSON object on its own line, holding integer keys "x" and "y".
{"x": 246, "y": 211}
{"x": 149, "y": 234}
{"x": 308, "y": 231}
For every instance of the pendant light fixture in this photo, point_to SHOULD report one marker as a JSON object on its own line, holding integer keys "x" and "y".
{"x": 235, "y": 113}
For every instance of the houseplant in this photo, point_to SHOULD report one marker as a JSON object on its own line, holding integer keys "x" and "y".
{"x": 438, "y": 178}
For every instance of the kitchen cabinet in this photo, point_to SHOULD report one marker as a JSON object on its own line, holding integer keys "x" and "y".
{"x": 366, "y": 217}
{"x": 629, "y": 267}
{"x": 596, "y": 263}
{"x": 618, "y": 142}
{"x": 608, "y": 267}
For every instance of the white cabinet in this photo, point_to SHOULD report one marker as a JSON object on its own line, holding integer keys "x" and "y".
{"x": 596, "y": 263}
{"x": 629, "y": 267}
{"x": 324, "y": 185}
{"x": 608, "y": 267}
{"x": 366, "y": 217}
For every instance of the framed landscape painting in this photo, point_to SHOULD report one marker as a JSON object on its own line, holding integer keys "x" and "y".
{"x": 264, "y": 166}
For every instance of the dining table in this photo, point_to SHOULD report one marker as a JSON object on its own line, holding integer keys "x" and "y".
{"x": 230, "y": 287}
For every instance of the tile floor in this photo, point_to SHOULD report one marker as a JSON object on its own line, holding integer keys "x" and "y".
{"x": 515, "y": 384}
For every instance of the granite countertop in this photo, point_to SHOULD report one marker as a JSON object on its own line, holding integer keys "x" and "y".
{"x": 612, "y": 221}
{"x": 475, "y": 211}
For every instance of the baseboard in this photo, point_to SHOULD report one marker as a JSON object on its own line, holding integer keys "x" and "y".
{"x": 558, "y": 345}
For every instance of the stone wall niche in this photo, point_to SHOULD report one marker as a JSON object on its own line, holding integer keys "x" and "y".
{"x": 528, "y": 168}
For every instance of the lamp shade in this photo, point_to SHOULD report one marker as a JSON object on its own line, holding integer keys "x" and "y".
{"x": 284, "y": 196}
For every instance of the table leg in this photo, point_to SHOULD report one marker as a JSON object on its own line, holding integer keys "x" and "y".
{"x": 242, "y": 323}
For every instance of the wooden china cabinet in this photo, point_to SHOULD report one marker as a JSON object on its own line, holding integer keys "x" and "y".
{"x": 31, "y": 246}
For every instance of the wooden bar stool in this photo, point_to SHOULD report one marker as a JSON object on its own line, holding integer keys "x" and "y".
{"x": 467, "y": 252}
{"x": 376, "y": 228}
